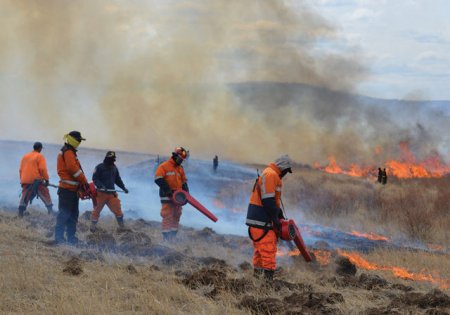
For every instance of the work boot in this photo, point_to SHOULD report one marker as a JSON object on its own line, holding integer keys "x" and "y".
{"x": 173, "y": 234}
{"x": 21, "y": 211}
{"x": 120, "y": 222}
{"x": 93, "y": 226}
{"x": 50, "y": 210}
{"x": 166, "y": 236}
{"x": 268, "y": 275}
{"x": 72, "y": 240}
{"x": 258, "y": 273}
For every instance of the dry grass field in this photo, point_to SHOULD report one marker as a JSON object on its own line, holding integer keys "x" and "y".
{"x": 134, "y": 272}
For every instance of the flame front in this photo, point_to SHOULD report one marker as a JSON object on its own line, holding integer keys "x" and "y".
{"x": 396, "y": 271}
{"x": 370, "y": 236}
{"x": 407, "y": 166}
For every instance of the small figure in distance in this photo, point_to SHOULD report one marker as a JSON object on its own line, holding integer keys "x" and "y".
{"x": 215, "y": 163}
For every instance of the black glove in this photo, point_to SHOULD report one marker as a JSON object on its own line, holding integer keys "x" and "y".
{"x": 125, "y": 190}
{"x": 45, "y": 182}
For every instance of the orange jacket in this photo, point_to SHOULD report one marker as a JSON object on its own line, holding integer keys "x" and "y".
{"x": 173, "y": 174}
{"x": 32, "y": 167}
{"x": 269, "y": 185}
{"x": 69, "y": 169}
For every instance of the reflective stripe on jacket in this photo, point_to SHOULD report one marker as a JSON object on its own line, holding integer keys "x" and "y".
{"x": 32, "y": 167}
{"x": 268, "y": 185}
{"x": 174, "y": 176}
{"x": 69, "y": 169}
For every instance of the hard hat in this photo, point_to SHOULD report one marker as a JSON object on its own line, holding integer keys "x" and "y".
{"x": 284, "y": 163}
{"x": 111, "y": 155}
{"x": 181, "y": 152}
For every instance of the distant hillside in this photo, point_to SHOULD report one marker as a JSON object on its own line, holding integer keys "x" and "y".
{"x": 269, "y": 94}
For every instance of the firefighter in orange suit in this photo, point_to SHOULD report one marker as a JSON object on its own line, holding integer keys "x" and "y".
{"x": 170, "y": 176}
{"x": 34, "y": 179}
{"x": 264, "y": 214}
{"x": 72, "y": 181}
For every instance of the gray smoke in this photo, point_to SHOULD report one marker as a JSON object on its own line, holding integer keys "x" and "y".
{"x": 148, "y": 76}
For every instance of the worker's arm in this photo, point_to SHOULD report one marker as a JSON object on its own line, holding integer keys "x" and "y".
{"x": 96, "y": 178}
{"x": 73, "y": 167}
{"x": 119, "y": 182}
{"x": 42, "y": 166}
{"x": 161, "y": 182}
{"x": 273, "y": 211}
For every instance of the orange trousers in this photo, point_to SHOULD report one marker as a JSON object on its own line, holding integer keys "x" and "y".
{"x": 170, "y": 214}
{"x": 265, "y": 250}
{"x": 110, "y": 200}
{"x": 42, "y": 193}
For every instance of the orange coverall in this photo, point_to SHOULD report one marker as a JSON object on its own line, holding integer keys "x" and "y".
{"x": 268, "y": 186}
{"x": 33, "y": 167}
{"x": 175, "y": 177}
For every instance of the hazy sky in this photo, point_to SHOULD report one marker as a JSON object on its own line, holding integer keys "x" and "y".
{"x": 404, "y": 43}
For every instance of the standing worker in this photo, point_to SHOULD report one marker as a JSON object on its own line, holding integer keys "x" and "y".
{"x": 105, "y": 176}
{"x": 215, "y": 163}
{"x": 264, "y": 214}
{"x": 380, "y": 175}
{"x": 384, "y": 177}
{"x": 72, "y": 182}
{"x": 34, "y": 179}
{"x": 170, "y": 176}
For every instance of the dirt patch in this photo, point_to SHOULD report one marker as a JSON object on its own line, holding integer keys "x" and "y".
{"x": 370, "y": 282}
{"x": 434, "y": 301}
{"x": 313, "y": 303}
{"x": 101, "y": 238}
{"x": 402, "y": 287}
{"x": 90, "y": 255}
{"x": 73, "y": 267}
{"x": 133, "y": 242}
{"x": 173, "y": 258}
{"x": 382, "y": 311}
{"x": 436, "y": 312}
{"x": 244, "y": 266}
{"x": 278, "y": 285}
{"x": 345, "y": 267}
{"x": 217, "y": 281}
{"x": 262, "y": 306}
{"x": 131, "y": 269}
{"x": 434, "y": 298}
{"x": 213, "y": 262}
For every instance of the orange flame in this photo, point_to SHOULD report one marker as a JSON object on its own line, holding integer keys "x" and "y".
{"x": 370, "y": 236}
{"x": 397, "y": 271}
{"x": 405, "y": 167}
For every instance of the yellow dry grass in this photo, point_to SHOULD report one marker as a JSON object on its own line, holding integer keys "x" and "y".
{"x": 32, "y": 280}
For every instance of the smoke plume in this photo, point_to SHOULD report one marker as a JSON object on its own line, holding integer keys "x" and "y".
{"x": 208, "y": 75}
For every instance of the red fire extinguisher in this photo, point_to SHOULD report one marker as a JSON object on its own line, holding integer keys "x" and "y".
{"x": 182, "y": 197}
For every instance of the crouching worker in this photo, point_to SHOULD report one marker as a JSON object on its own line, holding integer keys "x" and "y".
{"x": 264, "y": 214}
{"x": 34, "y": 179}
{"x": 105, "y": 176}
{"x": 170, "y": 176}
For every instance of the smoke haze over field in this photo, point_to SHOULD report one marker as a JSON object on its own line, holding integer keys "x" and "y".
{"x": 147, "y": 76}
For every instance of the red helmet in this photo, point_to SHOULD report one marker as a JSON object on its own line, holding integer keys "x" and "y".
{"x": 181, "y": 152}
